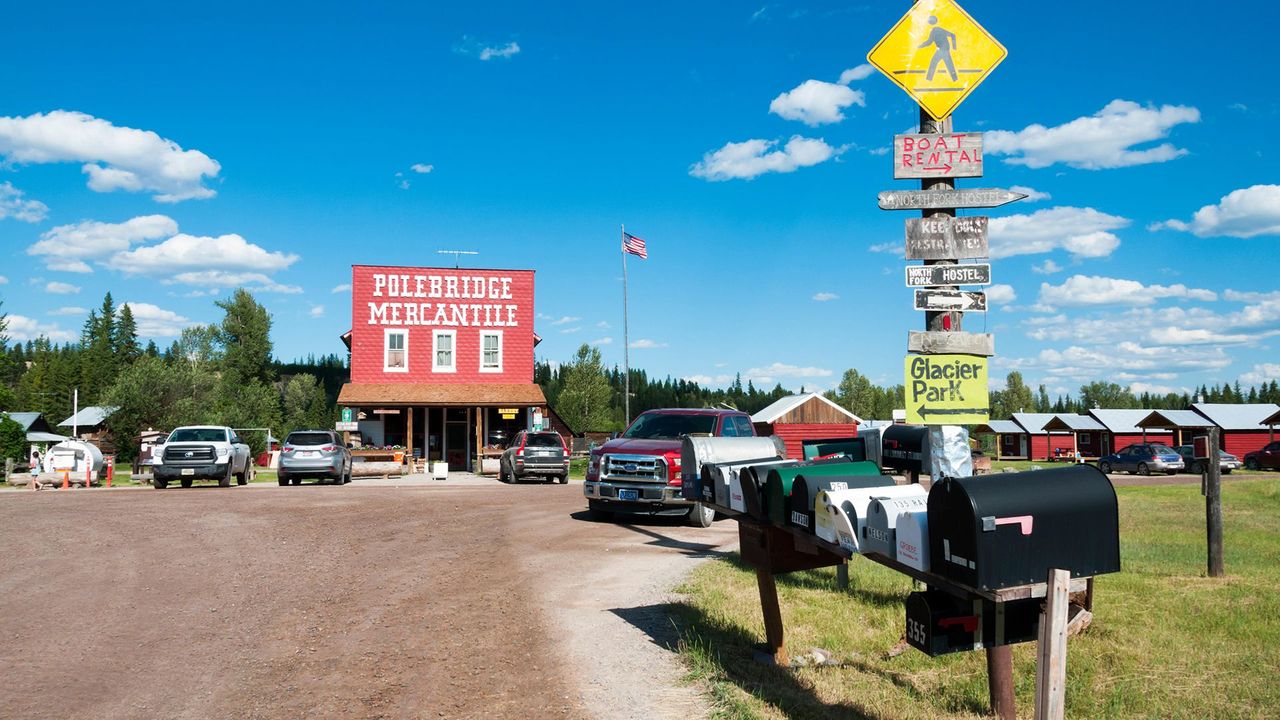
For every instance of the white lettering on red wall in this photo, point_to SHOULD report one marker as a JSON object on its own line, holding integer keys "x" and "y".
{"x": 451, "y": 289}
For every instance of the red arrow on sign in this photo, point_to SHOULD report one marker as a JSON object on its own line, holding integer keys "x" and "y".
{"x": 946, "y": 169}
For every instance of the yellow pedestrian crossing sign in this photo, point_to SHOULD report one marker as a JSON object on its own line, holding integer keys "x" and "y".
{"x": 938, "y": 54}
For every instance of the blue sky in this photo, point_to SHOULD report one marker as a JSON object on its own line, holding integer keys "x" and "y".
{"x": 170, "y": 153}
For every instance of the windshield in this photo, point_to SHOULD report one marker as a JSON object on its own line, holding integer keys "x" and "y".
{"x": 198, "y": 435}
{"x": 656, "y": 425}
{"x": 308, "y": 438}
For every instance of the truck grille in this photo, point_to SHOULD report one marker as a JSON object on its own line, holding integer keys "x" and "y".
{"x": 191, "y": 455}
{"x": 633, "y": 468}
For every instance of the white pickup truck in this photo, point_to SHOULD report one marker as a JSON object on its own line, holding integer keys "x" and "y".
{"x": 202, "y": 452}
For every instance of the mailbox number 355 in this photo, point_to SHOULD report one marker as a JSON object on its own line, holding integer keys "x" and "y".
{"x": 916, "y": 632}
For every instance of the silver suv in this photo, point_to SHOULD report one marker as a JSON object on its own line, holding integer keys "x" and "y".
{"x": 318, "y": 454}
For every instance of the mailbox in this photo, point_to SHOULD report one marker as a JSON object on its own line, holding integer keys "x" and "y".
{"x": 777, "y": 487}
{"x": 805, "y": 489}
{"x": 905, "y": 447}
{"x": 847, "y": 512}
{"x": 1008, "y": 529}
{"x": 939, "y": 623}
{"x": 897, "y": 529}
{"x": 854, "y": 448}
{"x": 716, "y": 479}
{"x": 742, "y": 479}
{"x": 701, "y": 450}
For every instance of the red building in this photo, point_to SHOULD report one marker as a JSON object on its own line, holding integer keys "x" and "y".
{"x": 810, "y": 416}
{"x": 442, "y": 359}
{"x": 1041, "y": 443}
{"x": 1122, "y": 430}
{"x": 1243, "y": 429}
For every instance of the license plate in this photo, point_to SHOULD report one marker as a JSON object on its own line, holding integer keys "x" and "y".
{"x": 628, "y": 494}
{"x": 308, "y": 454}
{"x": 189, "y": 471}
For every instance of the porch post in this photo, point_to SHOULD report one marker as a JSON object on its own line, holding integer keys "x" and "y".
{"x": 408, "y": 435}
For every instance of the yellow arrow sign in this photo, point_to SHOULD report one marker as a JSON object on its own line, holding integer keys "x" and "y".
{"x": 946, "y": 390}
{"x": 938, "y": 54}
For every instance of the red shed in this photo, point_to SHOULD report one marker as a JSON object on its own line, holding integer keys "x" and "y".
{"x": 809, "y": 416}
{"x": 1243, "y": 428}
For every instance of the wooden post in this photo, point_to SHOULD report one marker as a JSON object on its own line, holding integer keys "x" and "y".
{"x": 842, "y": 575}
{"x": 772, "y": 616}
{"x": 1213, "y": 504}
{"x": 408, "y": 436}
{"x": 479, "y": 440}
{"x": 1000, "y": 682}
{"x": 1051, "y": 652}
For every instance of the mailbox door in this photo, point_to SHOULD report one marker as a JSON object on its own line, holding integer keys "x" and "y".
{"x": 912, "y": 538}
{"x": 878, "y": 532}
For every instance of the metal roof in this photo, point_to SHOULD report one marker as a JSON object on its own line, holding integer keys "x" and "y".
{"x": 1121, "y": 421}
{"x": 1273, "y": 419}
{"x": 782, "y": 406}
{"x": 25, "y": 419}
{"x": 1074, "y": 423}
{"x": 1033, "y": 422}
{"x": 88, "y": 417}
{"x": 1230, "y": 416}
{"x": 1000, "y": 427}
{"x": 1168, "y": 419}
{"x": 38, "y": 436}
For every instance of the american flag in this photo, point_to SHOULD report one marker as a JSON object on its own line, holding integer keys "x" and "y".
{"x": 634, "y": 245}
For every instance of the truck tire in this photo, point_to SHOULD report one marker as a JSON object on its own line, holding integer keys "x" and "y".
{"x": 244, "y": 477}
{"x": 186, "y": 482}
{"x": 159, "y": 483}
{"x": 598, "y": 513}
{"x": 701, "y": 515}
{"x": 562, "y": 479}
{"x": 284, "y": 481}
{"x": 225, "y": 480}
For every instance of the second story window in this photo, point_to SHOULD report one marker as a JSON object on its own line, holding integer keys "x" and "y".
{"x": 396, "y": 355}
{"x": 444, "y": 352}
{"x": 491, "y": 351}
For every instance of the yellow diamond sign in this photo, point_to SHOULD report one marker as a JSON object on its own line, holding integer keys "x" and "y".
{"x": 938, "y": 54}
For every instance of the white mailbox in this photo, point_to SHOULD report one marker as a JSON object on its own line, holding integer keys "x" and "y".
{"x": 734, "y": 471}
{"x": 886, "y": 517}
{"x": 850, "y": 508}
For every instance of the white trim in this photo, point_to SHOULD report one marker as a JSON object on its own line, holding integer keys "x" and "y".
{"x": 787, "y": 404}
{"x": 453, "y": 352}
{"x": 386, "y": 350}
{"x": 497, "y": 334}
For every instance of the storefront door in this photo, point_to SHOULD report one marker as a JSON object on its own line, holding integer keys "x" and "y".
{"x": 457, "y": 440}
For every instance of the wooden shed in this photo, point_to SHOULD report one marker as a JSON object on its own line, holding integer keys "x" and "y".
{"x": 1011, "y": 439}
{"x": 1243, "y": 429}
{"x": 808, "y": 416}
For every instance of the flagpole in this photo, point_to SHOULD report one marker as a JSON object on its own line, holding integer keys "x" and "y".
{"x": 626, "y": 352}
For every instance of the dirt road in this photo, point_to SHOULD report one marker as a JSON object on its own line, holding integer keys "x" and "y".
{"x": 353, "y": 602}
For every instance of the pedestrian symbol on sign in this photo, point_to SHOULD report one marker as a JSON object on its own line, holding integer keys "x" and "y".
{"x": 945, "y": 40}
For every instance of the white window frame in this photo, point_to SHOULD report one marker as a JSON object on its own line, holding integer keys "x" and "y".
{"x": 386, "y": 350}
{"x": 453, "y": 352}
{"x": 493, "y": 333}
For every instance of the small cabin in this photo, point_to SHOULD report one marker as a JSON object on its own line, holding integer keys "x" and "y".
{"x": 808, "y": 416}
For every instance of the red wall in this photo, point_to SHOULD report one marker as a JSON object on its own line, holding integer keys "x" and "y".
{"x": 1120, "y": 441}
{"x": 506, "y": 295}
{"x": 1042, "y": 445}
{"x": 1239, "y": 442}
{"x": 1010, "y": 445}
{"x": 794, "y": 434}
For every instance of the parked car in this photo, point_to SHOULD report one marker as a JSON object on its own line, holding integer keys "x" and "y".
{"x": 202, "y": 452}
{"x": 1143, "y": 458}
{"x": 540, "y": 453}
{"x": 318, "y": 454}
{"x": 1266, "y": 458}
{"x": 1226, "y": 461}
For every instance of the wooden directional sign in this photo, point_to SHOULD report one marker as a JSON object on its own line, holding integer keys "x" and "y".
{"x": 937, "y": 155}
{"x": 946, "y": 390}
{"x": 939, "y": 300}
{"x": 943, "y": 237}
{"x": 934, "y": 342}
{"x": 946, "y": 199}
{"x": 937, "y": 275}
{"x": 938, "y": 54}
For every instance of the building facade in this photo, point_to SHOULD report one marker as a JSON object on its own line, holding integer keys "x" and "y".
{"x": 442, "y": 360}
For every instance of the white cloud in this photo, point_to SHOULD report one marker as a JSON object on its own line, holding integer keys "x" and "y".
{"x": 1001, "y": 294}
{"x": 1032, "y": 195}
{"x": 422, "y": 168}
{"x": 223, "y": 261}
{"x": 1100, "y": 141}
{"x": 344, "y": 287}
{"x": 403, "y": 185}
{"x": 1083, "y": 232}
{"x": 769, "y": 374}
{"x": 746, "y": 160}
{"x": 708, "y": 380}
{"x": 1138, "y": 388}
{"x": 1083, "y": 290}
{"x": 570, "y": 330}
{"x": 1084, "y": 364}
{"x": 1243, "y": 213}
{"x": 61, "y": 288}
{"x": 154, "y": 321}
{"x": 4, "y": 280}
{"x": 825, "y": 296}
{"x": 1250, "y": 296}
{"x": 861, "y": 72}
{"x": 1261, "y": 373}
{"x": 565, "y": 320}
{"x": 505, "y": 51}
{"x": 13, "y": 206}
{"x": 814, "y": 102}
{"x": 645, "y": 343}
{"x": 601, "y": 341}
{"x": 23, "y": 328}
{"x": 114, "y": 158}
{"x": 214, "y": 279}
{"x": 317, "y": 311}
{"x": 892, "y": 248}
{"x": 603, "y": 325}
{"x": 69, "y": 247}
{"x": 68, "y": 310}
{"x": 1048, "y": 267}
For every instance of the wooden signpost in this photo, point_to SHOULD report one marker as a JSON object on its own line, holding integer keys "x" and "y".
{"x": 937, "y": 155}
{"x": 942, "y": 275}
{"x": 944, "y": 199}
{"x": 946, "y": 238}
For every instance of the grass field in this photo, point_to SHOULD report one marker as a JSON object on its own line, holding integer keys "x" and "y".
{"x": 1166, "y": 641}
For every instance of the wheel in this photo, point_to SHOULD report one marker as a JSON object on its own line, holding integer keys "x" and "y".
{"x": 1197, "y": 468}
{"x": 186, "y": 482}
{"x": 1252, "y": 464}
{"x": 562, "y": 479}
{"x": 502, "y": 473}
{"x": 701, "y": 515}
{"x": 1170, "y": 472}
{"x": 244, "y": 477}
{"x": 159, "y": 483}
{"x": 1143, "y": 469}
{"x": 597, "y": 512}
{"x": 284, "y": 481}
{"x": 1105, "y": 467}
{"x": 1227, "y": 471}
{"x": 296, "y": 480}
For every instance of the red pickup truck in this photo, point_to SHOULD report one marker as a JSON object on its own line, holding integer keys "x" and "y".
{"x": 639, "y": 472}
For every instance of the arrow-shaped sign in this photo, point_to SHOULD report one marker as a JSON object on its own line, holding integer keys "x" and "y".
{"x": 923, "y": 411}
{"x": 950, "y": 300}
{"x": 944, "y": 199}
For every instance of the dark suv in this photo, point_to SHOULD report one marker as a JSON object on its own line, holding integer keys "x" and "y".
{"x": 540, "y": 453}
{"x": 1268, "y": 457}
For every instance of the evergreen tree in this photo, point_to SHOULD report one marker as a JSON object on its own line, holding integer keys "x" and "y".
{"x": 245, "y": 337}
{"x": 1042, "y": 400}
{"x": 584, "y": 401}
{"x": 305, "y": 405}
{"x": 125, "y": 337}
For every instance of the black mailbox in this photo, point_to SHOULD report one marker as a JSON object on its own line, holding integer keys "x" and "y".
{"x": 854, "y": 448}
{"x": 997, "y": 531}
{"x": 939, "y": 623}
{"x": 805, "y": 489}
{"x": 905, "y": 447}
